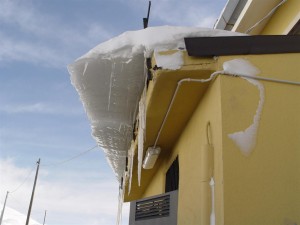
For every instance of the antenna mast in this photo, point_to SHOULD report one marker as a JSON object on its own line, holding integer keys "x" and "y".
{"x": 146, "y": 20}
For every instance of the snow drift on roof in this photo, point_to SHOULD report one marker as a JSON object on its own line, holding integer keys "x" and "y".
{"x": 110, "y": 79}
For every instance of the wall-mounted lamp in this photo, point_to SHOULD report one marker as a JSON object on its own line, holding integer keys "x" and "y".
{"x": 151, "y": 157}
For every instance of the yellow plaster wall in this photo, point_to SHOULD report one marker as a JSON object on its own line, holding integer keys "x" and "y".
{"x": 188, "y": 150}
{"x": 264, "y": 187}
{"x": 189, "y": 145}
{"x": 157, "y": 184}
{"x": 284, "y": 18}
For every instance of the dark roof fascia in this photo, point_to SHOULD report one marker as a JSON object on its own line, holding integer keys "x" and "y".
{"x": 296, "y": 29}
{"x": 242, "y": 45}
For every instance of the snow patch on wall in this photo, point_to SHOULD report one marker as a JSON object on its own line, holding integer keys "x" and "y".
{"x": 170, "y": 61}
{"x": 246, "y": 139}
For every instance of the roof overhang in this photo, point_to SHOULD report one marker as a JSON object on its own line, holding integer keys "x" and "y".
{"x": 242, "y": 45}
{"x": 230, "y": 14}
{"x": 240, "y": 15}
{"x": 198, "y": 64}
{"x": 160, "y": 92}
{"x": 111, "y": 77}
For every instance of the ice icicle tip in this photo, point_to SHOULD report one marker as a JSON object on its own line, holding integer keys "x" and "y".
{"x": 131, "y": 158}
{"x": 121, "y": 199}
{"x": 141, "y": 133}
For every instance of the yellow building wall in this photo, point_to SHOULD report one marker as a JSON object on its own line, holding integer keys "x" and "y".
{"x": 192, "y": 191}
{"x": 157, "y": 184}
{"x": 264, "y": 187}
{"x": 284, "y": 18}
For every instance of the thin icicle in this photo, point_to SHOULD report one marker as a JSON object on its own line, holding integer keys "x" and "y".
{"x": 121, "y": 199}
{"x": 119, "y": 215}
{"x": 110, "y": 83}
{"x": 85, "y": 67}
{"x": 141, "y": 133}
{"x": 130, "y": 162}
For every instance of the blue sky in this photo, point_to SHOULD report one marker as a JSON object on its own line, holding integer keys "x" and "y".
{"x": 40, "y": 112}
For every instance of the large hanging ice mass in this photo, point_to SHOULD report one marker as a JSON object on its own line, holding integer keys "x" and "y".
{"x": 110, "y": 79}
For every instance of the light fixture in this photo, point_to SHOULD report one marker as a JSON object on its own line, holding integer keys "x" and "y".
{"x": 151, "y": 157}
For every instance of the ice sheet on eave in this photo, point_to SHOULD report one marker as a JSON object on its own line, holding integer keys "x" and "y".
{"x": 110, "y": 80}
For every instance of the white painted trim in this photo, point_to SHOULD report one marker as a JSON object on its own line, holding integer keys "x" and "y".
{"x": 292, "y": 24}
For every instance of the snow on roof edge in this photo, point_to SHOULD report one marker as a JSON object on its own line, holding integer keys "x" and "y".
{"x": 114, "y": 69}
{"x": 147, "y": 40}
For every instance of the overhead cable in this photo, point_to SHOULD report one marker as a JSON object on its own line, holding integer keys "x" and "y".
{"x": 24, "y": 181}
{"x": 70, "y": 159}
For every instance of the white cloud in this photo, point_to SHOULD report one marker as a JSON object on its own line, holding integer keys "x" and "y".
{"x": 67, "y": 201}
{"x": 200, "y": 13}
{"x": 13, "y": 49}
{"x": 42, "y": 108}
{"x": 49, "y": 40}
{"x": 38, "y": 37}
{"x": 185, "y": 13}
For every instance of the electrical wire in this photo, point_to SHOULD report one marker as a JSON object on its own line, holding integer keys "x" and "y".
{"x": 24, "y": 181}
{"x": 263, "y": 79}
{"x": 70, "y": 159}
{"x": 265, "y": 17}
{"x": 54, "y": 164}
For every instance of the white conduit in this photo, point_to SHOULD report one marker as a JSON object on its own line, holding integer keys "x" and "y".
{"x": 212, "y": 76}
{"x": 265, "y": 17}
{"x": 174, "y": 96}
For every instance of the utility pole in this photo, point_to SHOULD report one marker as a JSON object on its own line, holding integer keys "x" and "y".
{"x": 146, "y": 20}
{"x": 2, "y": 213}
{"x": 44, "y": 217}
{"x": 32, "y": 195}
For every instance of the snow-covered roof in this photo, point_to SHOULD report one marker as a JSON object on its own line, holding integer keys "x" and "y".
{"x": 110, "y": 79}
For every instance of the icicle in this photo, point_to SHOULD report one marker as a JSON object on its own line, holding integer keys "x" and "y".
{"x": 110, "y": 83}
{"x": 119, "y": 207}
{"x": 141, "y": 134}
{"x": 130, "y": 163}
{"x": 121, "y": 198}
{"x": 85, "y": 67}
{"x": 212, "y": 214}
